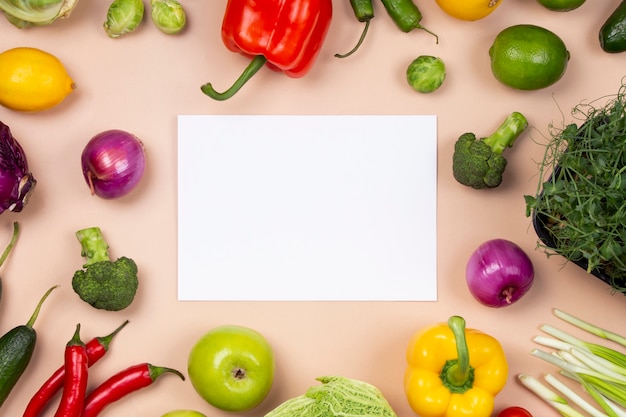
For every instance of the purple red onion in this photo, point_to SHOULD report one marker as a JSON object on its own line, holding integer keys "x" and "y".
{"x": 113, "y": 163}
{"x": 499, "y": 273}
{"x": 16, "y": 181}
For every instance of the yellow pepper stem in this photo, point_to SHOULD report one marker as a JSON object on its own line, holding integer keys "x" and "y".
{"x": 457, "y": 374}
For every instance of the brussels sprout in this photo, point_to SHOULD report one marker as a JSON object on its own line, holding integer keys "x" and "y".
{"x": 426, "y": 73}
{"x": 23, "y": 13}
{"x": 123, "y": 17}
{"x": 168, "y": 15}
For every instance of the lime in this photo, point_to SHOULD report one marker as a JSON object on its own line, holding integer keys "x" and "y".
{"x": 528, "y": 57}
{"x": 561, "y": 5}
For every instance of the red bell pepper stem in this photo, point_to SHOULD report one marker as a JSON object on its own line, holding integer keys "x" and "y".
{"x": 121, "y": 384}
{"x": 75, "y": 386}
{"x": 96, "y": 349}
{"x": 284, "y": 35}
{"x": 255, "y": 65}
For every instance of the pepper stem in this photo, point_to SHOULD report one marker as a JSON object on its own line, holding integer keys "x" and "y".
{"x": 33, "y": 317}
{"x": 459, "y": 373}
{"x": 7, "y": 250}
{"x": 76, "y": 340}
{"x": 105, "y": 341}
{"x": 361, "y": 39}
{"x": 255, "y": 65}
{"x": 157, "y": 371}
{"x": 428, "y": 31}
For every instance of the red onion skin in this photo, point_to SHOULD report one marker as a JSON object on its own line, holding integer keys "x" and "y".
{"x": 499, "y": 273}
{"x": 113, "y": 163}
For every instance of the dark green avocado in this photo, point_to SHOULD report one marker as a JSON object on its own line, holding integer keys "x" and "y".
{"x": 613, "y": 31}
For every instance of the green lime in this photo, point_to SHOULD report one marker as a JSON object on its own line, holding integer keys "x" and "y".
{"x": 528, "y": 57}
{"x": 561, "y": 5}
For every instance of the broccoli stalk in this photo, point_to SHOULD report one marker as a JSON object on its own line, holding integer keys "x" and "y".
{"x": 478, "y": 163}
{"x": 103, "y": 283}
{"x": 94, "y": 247}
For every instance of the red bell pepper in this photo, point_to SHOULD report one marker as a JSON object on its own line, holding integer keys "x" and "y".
{"x": 285, "y": 35}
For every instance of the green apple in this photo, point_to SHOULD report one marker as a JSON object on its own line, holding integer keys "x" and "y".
{"x": 232, "y": 368}
{"x": 183, "y": 413}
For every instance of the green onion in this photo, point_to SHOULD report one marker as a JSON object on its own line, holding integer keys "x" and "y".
{"x": 574, "y": 367}
{"x": 599, "y": 369}
{"x": 598, "y": 363}
{"x": 577, "y": 399}
{"x": 599, "y": 350}
{"x": 616, "y": 392}
{"x": 590, "y": 328}
{"x": 552, "y": 398}
{"x": 607, "y": 405}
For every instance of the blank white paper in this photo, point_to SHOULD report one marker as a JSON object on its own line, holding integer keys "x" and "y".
{"x": 307, "y": 208}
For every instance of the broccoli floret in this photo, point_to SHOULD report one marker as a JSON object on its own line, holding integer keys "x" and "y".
{"x": 479, "y": 163}
{"x": 103, "y": 283}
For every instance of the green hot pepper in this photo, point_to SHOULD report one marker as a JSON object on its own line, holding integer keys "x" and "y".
{"x": 364, "y": 12}
{"x": 405, "y": 15}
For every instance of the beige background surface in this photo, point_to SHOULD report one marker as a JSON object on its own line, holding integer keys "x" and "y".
{"x": 143, "y": 81}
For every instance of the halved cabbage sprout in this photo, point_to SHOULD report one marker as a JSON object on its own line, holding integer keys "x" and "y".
{"x": 23, "y": 13}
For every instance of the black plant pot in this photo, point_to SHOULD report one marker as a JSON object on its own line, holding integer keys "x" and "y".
{"x": 539, "y": 224}
{"x": 544, "y": 235}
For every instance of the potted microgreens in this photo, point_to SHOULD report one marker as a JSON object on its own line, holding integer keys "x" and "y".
{"x": 579, "y": 209}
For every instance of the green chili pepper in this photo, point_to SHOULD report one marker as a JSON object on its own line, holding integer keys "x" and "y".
{"x": 405, "y": 15}
{"x": 364, "y": 12}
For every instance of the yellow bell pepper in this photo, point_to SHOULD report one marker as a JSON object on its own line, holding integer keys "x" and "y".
{"x": 453, "y": 371}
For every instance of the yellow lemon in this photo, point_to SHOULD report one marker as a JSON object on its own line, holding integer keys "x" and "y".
{"x": 528, "y": 57}
{"x": 32, "y": 80}
{"x": 469, "y": 9}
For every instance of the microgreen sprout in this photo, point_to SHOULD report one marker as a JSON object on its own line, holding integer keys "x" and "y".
{"x": 581, "y": 189}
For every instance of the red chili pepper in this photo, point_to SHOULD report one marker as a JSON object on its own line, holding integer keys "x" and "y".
{"x": 284, "y": 34}
{"x": 121, "y": 384}
{"x": 75, "y": 385}
{"x": 96, "y": 349}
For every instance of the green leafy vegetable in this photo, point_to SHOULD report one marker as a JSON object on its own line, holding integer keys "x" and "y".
{"x": 102, "y": 282}
{"x": 168, "y": 16}
{"x": 426, "y": 73}
{"x": 23, "y": 13}
{"x": 123, "y": 16}
{"x": 478, "y": 162}
{"x": 581, "y": 203}
{"x": 337, "y": 396}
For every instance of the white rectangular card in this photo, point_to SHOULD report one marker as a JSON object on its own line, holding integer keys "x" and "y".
{"x": 307, "y": 208}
